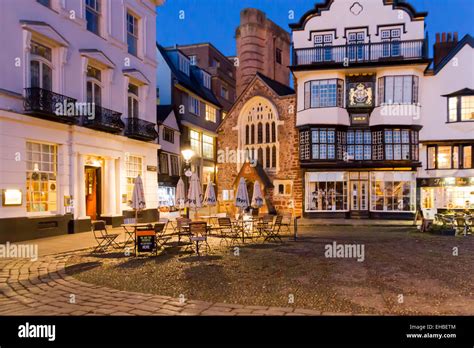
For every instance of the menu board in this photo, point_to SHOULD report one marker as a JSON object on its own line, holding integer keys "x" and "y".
{"x": 146, "y": 241}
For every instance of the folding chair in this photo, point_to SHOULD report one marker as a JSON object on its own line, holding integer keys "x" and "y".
{"x": 273, "y": 232}
{"x": 182, "y": 225}
{"x": 103, "y": 239}
{"x": 198, "y": 230}
{"x": 286, "y": 222}
{"x": 165, "y": 221}
{"x": 265, "y": 223}
{"x": 228, "y": 231}
{"x": 161, "y": 237}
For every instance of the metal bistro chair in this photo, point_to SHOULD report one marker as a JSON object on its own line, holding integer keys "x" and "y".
{"x": 264, "y": 224}
{"x": 102, "y": 237}
{"x": 198, "y": 231}
{"x": 273, "y": 232}
{"x": 182, "y": 226}
{"x": 462, "y": 225}
{"x": 161, "y": 238}
{"x": 286, "y": 222}
{"x": 229, "y": 234}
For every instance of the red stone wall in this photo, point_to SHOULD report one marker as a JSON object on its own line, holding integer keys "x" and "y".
{"x": 289, "y": 167}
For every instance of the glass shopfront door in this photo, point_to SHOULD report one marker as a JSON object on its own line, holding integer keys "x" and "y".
{"x": 359, "y": 184}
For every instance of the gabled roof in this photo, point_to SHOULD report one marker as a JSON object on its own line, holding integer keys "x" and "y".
{"x": 320, "y": 7}
{"x": 461, "y": 92}
{"x": 262, "y": 175}
{"x": 466, "y": 40}
{"x": 162, "y": 113}
{"x": 279, "y": 88}
{"x": 191, "y": 82}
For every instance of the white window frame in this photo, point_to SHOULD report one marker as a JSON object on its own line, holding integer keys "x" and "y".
{"x": 194, "y": 106}
{"x": 133, "y": 97}
{"x": 183, "y": 63}
{"x": 132, "y": 173}
{"x": 211, "y": 113}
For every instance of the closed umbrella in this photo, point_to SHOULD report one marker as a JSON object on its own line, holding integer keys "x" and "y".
{"x": 210, "y": 196}
{"x": 138, "y": 196}
{"x": 195, "y": 193}
{"x": 257, "y": 197}
{"x": 242, "y": 197}
{"x": 180, "y": 197}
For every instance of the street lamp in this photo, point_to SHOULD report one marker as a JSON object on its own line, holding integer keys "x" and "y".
{"x": 187, "y": 155}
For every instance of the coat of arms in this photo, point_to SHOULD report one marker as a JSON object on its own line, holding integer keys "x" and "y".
{"x": 361, "y": 94}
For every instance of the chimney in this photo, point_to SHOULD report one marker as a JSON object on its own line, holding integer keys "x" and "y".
{"x": 445, "y": 42}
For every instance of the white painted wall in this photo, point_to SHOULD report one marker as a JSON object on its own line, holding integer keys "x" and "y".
{"x": 69, "y": 75}
{"x": 340, "y": 17}
{"x": 166, "y": 146}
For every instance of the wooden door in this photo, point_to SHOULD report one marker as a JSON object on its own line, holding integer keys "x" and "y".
{"x": 91, "y": 192}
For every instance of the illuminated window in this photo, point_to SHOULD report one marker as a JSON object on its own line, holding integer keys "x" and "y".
{"x": 207, "y": 146}
{"x": 41, "y": 171}
{"x": 210, "y": 113}
{"x": 195, "y": 139}
{"x": 133, "y": 168}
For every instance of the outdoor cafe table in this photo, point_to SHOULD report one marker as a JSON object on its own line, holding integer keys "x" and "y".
{"x": 131, "y": 232}
{"x": 242, "y": 225}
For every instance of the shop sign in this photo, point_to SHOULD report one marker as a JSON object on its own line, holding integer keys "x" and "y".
{"x": 440, "y": 182}
{"x": 12, "y": 197}
{"x": 151, "y": 168}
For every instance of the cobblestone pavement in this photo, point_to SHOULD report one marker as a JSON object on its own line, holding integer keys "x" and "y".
{"x": 42, "y": 287}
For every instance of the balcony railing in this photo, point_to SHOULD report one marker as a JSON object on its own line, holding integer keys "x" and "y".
{"x": 45, "y": 104}
{"x": 140, "y": 129}
{"x": 361, "y": 53}
{"x": 104, "y": 119}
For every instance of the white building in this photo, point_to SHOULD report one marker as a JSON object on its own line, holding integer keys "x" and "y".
{"x": 446, "y": 180}
{"x": 359, "y": 68}
{"x": 64, "y": 163}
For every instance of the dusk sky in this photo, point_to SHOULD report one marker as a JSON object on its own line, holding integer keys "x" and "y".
{"x": 215, "y": 21}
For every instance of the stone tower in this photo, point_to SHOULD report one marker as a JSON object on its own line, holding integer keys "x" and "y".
{"x": 262, "y": 46}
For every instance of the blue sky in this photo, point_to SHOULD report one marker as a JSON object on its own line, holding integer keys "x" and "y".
{"x": 215, "y": 21}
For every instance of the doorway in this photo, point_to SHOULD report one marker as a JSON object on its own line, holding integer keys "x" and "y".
{"x": 93, "y": 192}
{"x": 359, "y": 191}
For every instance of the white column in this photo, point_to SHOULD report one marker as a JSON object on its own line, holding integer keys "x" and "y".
{"x": 81, "y": 184}
{"x": 110, "y": 187}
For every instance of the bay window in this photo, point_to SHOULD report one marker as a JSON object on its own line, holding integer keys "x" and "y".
{"x": 461, "y": 108}
{"x": 398, "y": 89}
{"x": 323, "y": 93}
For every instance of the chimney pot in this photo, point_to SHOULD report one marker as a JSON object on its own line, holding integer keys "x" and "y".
{"x": 438, "y": 37}
{"x": 449, "y": 37}
{"x": 443, "y": 38}
{"x": 455, "y": 36}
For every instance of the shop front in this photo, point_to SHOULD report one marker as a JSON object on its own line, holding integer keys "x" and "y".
{"x": 447, "y": 194}
{"x": 360, "y": 194}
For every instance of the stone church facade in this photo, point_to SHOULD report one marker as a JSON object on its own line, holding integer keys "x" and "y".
{"x": 261, "y": 127}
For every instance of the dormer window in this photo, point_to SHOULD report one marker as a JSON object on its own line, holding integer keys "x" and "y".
{"x": 193, "y": 60}
{"x": 206, "y": 80}
{"x": 183, "y": 64}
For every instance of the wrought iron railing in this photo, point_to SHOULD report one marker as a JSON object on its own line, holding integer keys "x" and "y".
{"x": 104, "y": 119}
{"x": 361, "y": 53}
{"x": 44, "y": 103}
{"x": 140, "y": 129}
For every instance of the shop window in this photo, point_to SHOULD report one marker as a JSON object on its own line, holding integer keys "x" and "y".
{"x": 393, "y": 191}
{"x": 41, "y": 172}
{"x": 326, "y": 191}
{"x": 166, "y": 196}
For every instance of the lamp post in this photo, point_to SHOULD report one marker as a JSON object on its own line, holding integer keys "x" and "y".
{"x": 187, "y": 154}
